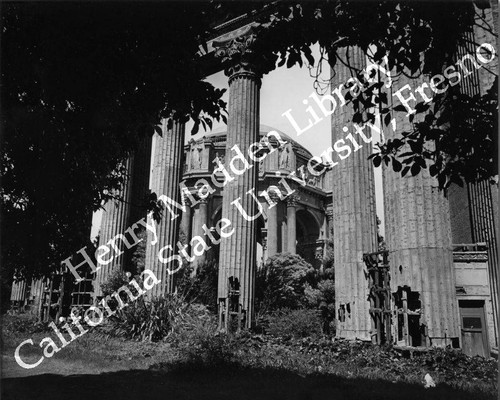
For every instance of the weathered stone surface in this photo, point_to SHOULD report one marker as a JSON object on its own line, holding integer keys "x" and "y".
{"x": 169, "y": 162}
{"x": 123, "y": 212}
{"x": 418, "y": 237}
{"x": 200, "y": 218}
{"x": 291, "y": 215}
{"x": 238, "y": 252}
{"x": 354, "y": 219}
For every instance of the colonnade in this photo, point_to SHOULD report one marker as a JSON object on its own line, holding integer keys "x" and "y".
{"x": 417, "y": 222}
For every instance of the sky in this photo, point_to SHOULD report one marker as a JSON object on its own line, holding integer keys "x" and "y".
{"x": 281, "y": 90}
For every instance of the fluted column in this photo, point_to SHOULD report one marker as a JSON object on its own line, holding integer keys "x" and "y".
{"x": 186, "y": 226}
{"x": 329, "y": 224}
{"x": 114, "y": 221}
{"x": 418, "y": 237}
{"x": 272, "y": 227}
{"x": 169, "y": 162}
{"x": 483, "y": 196}
{"x": 123, "y": 211}
{"x": 264, "y": 245}
{"x": 200, "y": 218}
{"x": 238, "y": 252}
{"x": 291, "y": 215}
{"x": 354, "y": 218}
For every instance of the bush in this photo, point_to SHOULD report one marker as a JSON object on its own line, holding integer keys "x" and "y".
{"x": 115, "y": 281}
{"x": 322, "y": 298}
{"x": 280, "y": 283}
{"x": 207, "y": 348}
{"x": 294, "y": 323}
{"x": 23, "y": 323}
{"x": 197, "y": 341}
{"x": 151, "y": 320}
{"x": 201, "y": 288}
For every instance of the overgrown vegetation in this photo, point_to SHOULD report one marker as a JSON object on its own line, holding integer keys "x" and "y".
{"x": 294, "y": 323}
{"x": 280, "y": 283}
{"x": 286, "y": 283}
{"x": 193, "y": 343}
{"x": 200, "y": 287}
{"x": 22, "y": 323}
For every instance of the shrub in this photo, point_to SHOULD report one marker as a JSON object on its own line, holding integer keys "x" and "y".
{"x": 294, "y": 323}
{"x": 151, "y": 320}
{"x": 207, "y": 348}
{"x": 23, "y": 323}
{"x": 116, "y": 280}
{"x": 197, "y": 341}
{"x": 280, "y": 283}
{"x": 201, "y": 288}
{"x": 322, "y": 298}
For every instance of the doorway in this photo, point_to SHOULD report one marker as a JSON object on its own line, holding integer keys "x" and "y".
{"x": 473, "y": 321}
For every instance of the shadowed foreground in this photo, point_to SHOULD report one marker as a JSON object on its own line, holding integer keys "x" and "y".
{"x": 221, "y": 383}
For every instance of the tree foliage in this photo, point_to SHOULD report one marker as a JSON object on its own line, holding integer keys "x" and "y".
{"x": 456, "y": 138}
{"x": 82, "y": 85}
{"x": 280, "y": 283}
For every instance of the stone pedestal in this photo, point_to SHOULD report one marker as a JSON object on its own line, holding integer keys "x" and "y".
{"x": 418, "y": 237}
{"x": 354, "y": 218}
{"x": 169, "y": 159}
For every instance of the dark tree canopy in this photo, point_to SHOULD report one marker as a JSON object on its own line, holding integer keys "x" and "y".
{"x": 456, "y": 134}
{"x": 82, "y": 83}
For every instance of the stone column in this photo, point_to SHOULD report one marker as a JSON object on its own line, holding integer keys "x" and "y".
{"x": 264, "y": 245}
{"x": 291, "y": 203}
{"x": 140, "y": 181}
{"x": 123, "y": 211}
{"x": 272, "y": 226}
{"x": 238, "y": 252}
{"x": 329, "y": 224}
{"x": 418, "y": 237}
{"x": 170, "y": 160}
{"x": 354, "y": 217}
{"x": 186, "y": 226}
{"x": 483, "y": 196}
{"x": 114, "y": 221}
{"x": 200, "y": 218}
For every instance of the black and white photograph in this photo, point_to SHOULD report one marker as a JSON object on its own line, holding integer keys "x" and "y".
{"x": 246, "y": 200}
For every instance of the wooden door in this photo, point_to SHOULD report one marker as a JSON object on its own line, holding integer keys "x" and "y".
{"x": 474, "y": 336}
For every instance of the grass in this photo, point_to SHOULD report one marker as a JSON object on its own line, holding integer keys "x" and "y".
{"x": 201, "y": 364}
{"x": 94, "y": 351}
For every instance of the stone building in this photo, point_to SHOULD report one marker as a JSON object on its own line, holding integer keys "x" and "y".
{"x": 436, "y": 285}
{"x": 298, "y": 225}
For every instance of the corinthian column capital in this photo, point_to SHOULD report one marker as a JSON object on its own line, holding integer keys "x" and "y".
{"x": 292, "y": 200}
{"x": 239, "y": 55}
